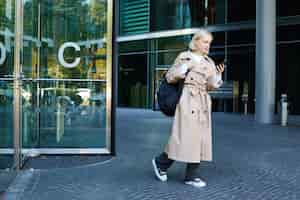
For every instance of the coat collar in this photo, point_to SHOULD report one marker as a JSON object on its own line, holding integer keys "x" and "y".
{"x": 198, "y": 58}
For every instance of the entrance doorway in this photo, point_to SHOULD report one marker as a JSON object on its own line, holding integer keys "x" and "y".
{"x": 133, "y": 81}
{"x": 56, "y": 77}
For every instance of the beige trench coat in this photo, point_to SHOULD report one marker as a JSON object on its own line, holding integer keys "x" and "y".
{"x": 191, "y": 136}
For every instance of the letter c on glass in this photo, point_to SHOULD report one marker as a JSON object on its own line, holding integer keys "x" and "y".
{"x": 2, "y": 53}
{"x": 61, "y": 55}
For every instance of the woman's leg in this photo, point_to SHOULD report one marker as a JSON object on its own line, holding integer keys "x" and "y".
{"x": 160, "y": 165}
{"x": 191, "y": 177}
{"x": 191, "y": 171}
{"x": 163, "y": 162}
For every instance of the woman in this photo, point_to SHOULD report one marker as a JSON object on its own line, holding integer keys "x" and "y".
{"x": 191, "y": 137}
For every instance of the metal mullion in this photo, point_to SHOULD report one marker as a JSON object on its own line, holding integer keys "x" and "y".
{"x": 38, "y": 74}
{"x": 17, "y": 105}
{"x": 73, "y": 80}
{"x": 109, "y": 61}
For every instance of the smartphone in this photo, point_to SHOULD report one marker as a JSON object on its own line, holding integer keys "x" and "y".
{"x": 186, "y": 59}
{"x": 220, "y": 61}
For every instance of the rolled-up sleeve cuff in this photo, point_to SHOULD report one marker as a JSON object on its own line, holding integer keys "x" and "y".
{"x": 183, "y": 69}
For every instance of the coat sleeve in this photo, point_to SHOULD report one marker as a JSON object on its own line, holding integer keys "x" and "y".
{"x": 177, "y": 71}
{"x": 214, "y": 80}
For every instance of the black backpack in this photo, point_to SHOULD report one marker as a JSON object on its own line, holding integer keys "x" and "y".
{"x": 168, "y": 96}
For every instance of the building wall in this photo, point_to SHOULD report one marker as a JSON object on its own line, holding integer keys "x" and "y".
{"x": 233, "y": 27}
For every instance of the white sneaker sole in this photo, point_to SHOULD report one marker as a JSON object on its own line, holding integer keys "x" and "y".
{"x": 196, "y": 184}
{"x": 161, "y": 178}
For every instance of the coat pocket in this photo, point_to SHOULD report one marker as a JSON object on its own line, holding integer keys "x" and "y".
{"x": 193, "y": 91}
{"x": 204, "y": 117}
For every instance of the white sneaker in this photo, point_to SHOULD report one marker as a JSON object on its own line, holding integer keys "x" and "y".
{"x": 161, "y": 175}
{"x": 197, "y": 182}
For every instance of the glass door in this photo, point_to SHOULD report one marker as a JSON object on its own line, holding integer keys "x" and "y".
{"x": 55, "y": 78}
{"x": 66, "y": 93}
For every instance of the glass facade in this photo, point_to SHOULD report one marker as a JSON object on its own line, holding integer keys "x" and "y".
{"x": 290, "y": 8}
{"x": 157, "y": 15}
{"x": 233, "y": 27}
{"x": 65, "y": 76}
{"x": 288, "y": 65}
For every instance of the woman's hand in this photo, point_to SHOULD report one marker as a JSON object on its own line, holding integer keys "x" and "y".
{"x": 188, "y": 62}
{"x": 220, "y": 68}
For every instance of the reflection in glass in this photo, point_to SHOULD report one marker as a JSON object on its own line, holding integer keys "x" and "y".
{"x": 159, "y": 73}
{"x": 7, "y": 23}
{"x": 31, "y": 39}
{"x": 72, "y": 114}
{"x": 133, "y": 81}
{"x": 60, "y": 113}
{"x": 29, "y": 115}
{"x": 60, "y": 21}
{"x": 241, "y": 69}
{"x": 81, "y": 22}
{"x": 176, "y": 15}
{"x": 61, "y": 107}
{"x": 179, "y": 14}
{"x": 6, "y": 114}
{"x": 166, "y": 59}
{"x": 175, "y": 43}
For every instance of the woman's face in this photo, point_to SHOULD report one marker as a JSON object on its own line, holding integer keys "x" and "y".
{"x": 203, "y": 44}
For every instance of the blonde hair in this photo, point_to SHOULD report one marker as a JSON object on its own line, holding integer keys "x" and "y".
{"x": 198, "y": 35}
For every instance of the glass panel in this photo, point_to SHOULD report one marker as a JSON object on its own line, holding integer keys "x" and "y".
{"x": 287, "y": 75}
{"x": 31, "y": 48}
{"x": 241, "y": 69}
{"x": 133, "y": 81}
{"x": 288, "y": 33}
{"x": 65, "y": 67}
{"x": 219, "y": 39}
{"x": 185, "y": 14}
{"x": 73, "y": 114}
{"x": 197, "y": 12}
{"x": 216, "y": 12}
{"x": 6, "y": 122}
{"x": 241, "y": 11}
{"x": 241, "y": 37}
{"x": 179, "y": 14}
{"x": 290, "y": 8}
{"x": 166, "y": 59}
{"x": 176, "y": 15}
{"x": 134, "y": 16}
{"x": 178, "y": 43}
{"x": 7, "y": 23}
{"x": 133, "y": 46}
{"x": 30, "y": 39}
{"x": 6, "y": 114}
{"x": 29, "y": 115}
{"x": 73, "y": 39}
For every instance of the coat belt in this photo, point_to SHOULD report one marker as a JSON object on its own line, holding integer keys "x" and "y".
{"x": 196, "y": 89}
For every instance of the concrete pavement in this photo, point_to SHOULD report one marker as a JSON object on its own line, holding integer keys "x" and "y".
{"x": 251, "y": 161}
